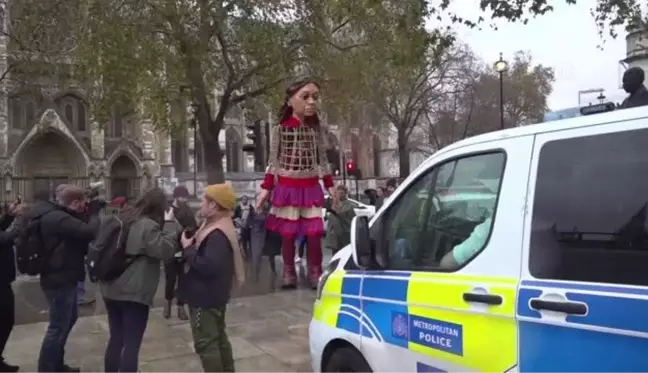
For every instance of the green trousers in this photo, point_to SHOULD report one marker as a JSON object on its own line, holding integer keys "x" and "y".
{"x": 210, "y": 339}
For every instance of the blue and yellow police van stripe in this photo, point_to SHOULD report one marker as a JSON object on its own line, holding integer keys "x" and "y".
{"x": 425, "y": 313}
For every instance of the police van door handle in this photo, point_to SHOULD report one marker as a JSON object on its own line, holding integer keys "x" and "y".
{"x": 572, "y": 308}
{"x": 490, "y": 299}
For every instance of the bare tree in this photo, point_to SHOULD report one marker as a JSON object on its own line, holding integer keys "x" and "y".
{"x": 449, "y": 118}
{"x": 471, "y": 103}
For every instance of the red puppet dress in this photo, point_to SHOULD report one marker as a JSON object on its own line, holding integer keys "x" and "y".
{"x": 297, "y": 162}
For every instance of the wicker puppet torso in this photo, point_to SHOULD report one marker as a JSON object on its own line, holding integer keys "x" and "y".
{"x": 298, "y": 152}
{"x": 297, "y": 162}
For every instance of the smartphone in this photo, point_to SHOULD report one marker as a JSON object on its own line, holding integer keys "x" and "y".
{"x": 190, "y": 232}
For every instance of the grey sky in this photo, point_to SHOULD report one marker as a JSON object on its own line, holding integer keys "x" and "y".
{"x": 566, "y": 40}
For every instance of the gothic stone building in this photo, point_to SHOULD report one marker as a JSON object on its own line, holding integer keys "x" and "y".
{"x": 47, "y": 138}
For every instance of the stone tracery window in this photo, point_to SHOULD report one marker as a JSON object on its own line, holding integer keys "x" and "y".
{"x": 74, "y": 111}
{"x": 122, "y": 124}
{"x": 22, "y": 111}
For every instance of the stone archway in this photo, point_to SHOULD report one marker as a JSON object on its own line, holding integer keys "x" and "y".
{"x": 124, "y": 178}
{"x": 47, "y": 160}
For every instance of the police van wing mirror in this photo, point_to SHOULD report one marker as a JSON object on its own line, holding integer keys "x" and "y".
{"x": 361, "y": 242}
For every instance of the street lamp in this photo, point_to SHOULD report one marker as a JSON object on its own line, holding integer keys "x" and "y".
{"x": 501, "y": 67}
{"x": 195, "y": 109}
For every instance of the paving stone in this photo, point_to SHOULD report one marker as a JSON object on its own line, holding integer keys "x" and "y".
{"x": 290, "y": 350}
{"x": 268, "y": 333}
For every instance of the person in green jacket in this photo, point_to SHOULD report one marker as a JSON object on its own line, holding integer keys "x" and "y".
{"x": 338, "y": 228}
{"x": 128, "y": 298}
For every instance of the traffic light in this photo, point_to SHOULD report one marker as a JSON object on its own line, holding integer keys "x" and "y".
{"x": 255, "y": 144}
{"x": 250, "y": 144}
{"x": 351, "y": 168}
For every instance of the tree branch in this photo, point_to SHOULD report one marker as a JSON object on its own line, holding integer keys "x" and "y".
{"x": 224, "y": 48}
{"x": 237, "y": 99}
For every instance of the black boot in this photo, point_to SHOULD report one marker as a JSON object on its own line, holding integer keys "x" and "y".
{"x": 4, "y": 367}
{"x": 68, "y": 369}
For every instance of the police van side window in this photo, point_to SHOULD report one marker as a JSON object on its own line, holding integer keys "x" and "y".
{"x": 590, "y": 209}
{"x": 444, "y": 219}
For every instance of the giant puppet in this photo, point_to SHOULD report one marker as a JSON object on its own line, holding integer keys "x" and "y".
{"x": 297, "y": 161}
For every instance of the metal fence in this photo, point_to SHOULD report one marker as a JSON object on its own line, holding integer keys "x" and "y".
{"x": 26, "y": 186}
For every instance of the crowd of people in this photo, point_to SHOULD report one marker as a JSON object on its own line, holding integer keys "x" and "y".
{"x": 208, "y": 258}
{"x": 65, "y": 237}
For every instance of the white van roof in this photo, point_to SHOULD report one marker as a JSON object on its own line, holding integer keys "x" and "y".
{"x": 582, "y": 121}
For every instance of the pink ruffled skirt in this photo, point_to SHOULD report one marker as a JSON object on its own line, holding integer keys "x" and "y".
{"x": 296, "y": 210}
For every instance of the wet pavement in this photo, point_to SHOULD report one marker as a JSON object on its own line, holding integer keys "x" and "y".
{"x": 268, "y": 329}
{"x": 31, "y": 306}
{"x": 268, "y": 333}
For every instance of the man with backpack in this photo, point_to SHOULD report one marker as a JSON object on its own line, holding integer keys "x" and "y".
{"x": 7, "y": 276}
{"x": 58, "y": 233}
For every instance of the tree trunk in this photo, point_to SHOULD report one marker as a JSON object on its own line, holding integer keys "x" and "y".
{"x": 403, "y": 156}
{"x": 213, "y": 154}
{"x": 213, "y": 162}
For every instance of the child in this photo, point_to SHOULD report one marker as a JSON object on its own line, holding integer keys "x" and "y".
{"x": 263, "y": 242}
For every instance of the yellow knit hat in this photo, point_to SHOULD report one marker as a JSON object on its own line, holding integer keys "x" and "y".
{"x": 223, "y": 194}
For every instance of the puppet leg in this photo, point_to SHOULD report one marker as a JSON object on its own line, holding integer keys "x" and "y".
{"x": 314, "y": 259}
{"x": 288, "y": 254}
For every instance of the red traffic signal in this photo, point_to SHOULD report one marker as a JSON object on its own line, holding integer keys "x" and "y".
{"x": 350, "y": 167}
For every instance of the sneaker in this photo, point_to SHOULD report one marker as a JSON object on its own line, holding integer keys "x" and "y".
{"x": 87, "y": 302}
{"x": 182, "y": 314}
{"x": 4, "y": 367}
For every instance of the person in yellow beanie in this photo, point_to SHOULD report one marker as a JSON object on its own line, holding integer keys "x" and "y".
{"x": 213, "y": 262}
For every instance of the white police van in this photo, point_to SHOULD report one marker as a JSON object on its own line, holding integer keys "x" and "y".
{"x": 519, "y": 250}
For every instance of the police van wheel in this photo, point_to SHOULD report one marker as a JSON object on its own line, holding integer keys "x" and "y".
{"x": 347, "y": 360}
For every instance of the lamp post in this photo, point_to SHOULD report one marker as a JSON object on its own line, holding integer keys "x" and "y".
{"x": 501, "y": 67}
{"x": 195, "y": 109}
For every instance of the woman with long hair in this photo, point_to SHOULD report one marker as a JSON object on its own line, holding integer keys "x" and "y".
{"x": 297, "y": 162}
{"x": 128, "y": 298}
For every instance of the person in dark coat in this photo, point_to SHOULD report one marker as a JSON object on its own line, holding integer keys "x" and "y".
{"x": 185, "y": 219}
{"x": 66, "y": 236}
{"x": 213, "y": 265}
{"x": 633, "y": 83}
{"x": 7, "y": 276}
{"x": 242, "y": 215}
{"x": 263, "y": 242}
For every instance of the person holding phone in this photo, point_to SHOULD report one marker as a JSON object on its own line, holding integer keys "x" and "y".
{"x": 213, "y": 265}
{"x": 184, "y": 219}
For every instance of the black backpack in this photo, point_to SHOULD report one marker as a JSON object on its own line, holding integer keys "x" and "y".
{"x": 107, "y": 258}
{"x": 31, "y": 251}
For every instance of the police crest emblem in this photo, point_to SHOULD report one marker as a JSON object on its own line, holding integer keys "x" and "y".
{"x": 399, "y": 325}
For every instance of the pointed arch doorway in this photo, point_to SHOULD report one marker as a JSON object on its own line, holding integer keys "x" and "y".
{"x": 124, "y": 181}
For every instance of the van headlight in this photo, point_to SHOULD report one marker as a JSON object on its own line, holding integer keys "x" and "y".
{"x": 330, "y": 268}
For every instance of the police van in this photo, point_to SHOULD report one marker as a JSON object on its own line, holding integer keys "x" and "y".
{"x": 519, "y": 250}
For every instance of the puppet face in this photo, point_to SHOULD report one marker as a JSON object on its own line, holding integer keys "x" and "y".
{"x": 304, "y": 102}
